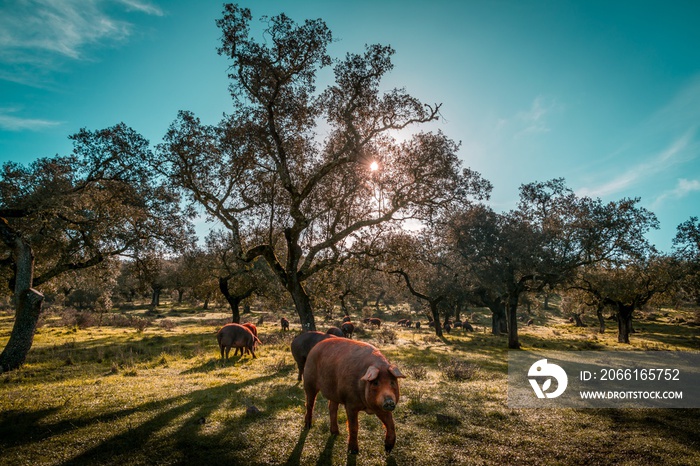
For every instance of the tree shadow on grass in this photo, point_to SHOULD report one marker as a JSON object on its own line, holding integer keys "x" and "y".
{"x": 191, "y": 411}
{"x": 677, "y": 425}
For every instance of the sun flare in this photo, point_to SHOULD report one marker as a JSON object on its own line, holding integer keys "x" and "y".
{"x": 374, "y": 166}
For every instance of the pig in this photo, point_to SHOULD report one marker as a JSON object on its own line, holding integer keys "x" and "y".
{"x": 236, "y": 336}
{"x": 303, "y": 343}
{"x": 372, "y": 321}
{"x": 335, "y": 331}
{"x": 347, "y": 328}
{"x": 254, "y": 330}
{"x": 356, "y": 375}
{"x": 284, "y": 323}
{"x": 347, "y": 319}
{"x": 418, "y": 325}
{"x": 402, "y": 322}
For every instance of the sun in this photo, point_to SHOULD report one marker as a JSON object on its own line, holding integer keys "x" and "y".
{"x": 374, "y": 166}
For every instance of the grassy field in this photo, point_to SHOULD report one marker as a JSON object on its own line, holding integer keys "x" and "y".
{"x": 120, "y": 396}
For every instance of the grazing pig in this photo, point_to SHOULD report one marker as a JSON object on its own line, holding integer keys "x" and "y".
{"x": 254, "y": 330}
{"x": 284, "y": 323}
{"x": 236, "y": 336}
{"x": 402, "y": 322}
{"x": 347, "y": 328}
{"x": 467, "y": 327}
{"x": 302, "y": 344}
{"x": 335, "y": 331}
{"x": 372, "y": 321}
{"x": 418, "y": 325}
{"x": 356, "y": 375}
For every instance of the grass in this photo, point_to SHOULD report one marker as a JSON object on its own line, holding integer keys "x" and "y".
{"x": 109, "y": 395}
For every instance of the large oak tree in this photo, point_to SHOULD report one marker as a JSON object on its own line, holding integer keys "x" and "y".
{"x": 72, "y": 212}
{"x": 304, "y": 177}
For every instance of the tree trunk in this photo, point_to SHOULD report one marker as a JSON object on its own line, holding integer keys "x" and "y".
{"x": 27, "y": 301}
{"x": 180, "y": 293}
{"x": 436, "y": 317}
{"x": 22, "y": 336}
{"x": 601, "y": 318}
{"x": 499, "y": 323}
{"x": 343, "y": 305}
{"x": 577, "y": 320}
{"x": 513, "y": 342}
{"x": 546, "y": 302}
{"x": 234, "y": 300}
{"x": 379, "y": 298}
{"x": 624, "y": 323}
{"x": 155, "y": 296}
{"x": 302, "y": 302}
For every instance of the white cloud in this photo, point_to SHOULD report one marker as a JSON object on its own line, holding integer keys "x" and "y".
{"x": 143, "y": 7}
{"x": 683, "y": 188}
{"x": 38, "y": 33}
{"x": 14, "y": 123}
{"x": 663, "y": 160}
{"x": 534, "y": 120}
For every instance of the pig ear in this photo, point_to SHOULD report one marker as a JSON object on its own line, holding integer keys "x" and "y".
{"x": 396, "y": 372}
{"x": 371, "y": 374}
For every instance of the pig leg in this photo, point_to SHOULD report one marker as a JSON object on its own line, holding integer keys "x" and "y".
{"x": 221, "y": 347}
{"x": 311, "y": 393}
{"x": 353, "y": 427}
{"x": 333, "y": 409}
{"x": 388, "y": 421}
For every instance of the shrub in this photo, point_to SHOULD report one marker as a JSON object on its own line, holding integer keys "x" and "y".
{"x": 386, "y": 335}
{"x": 417, "y": 372}
{"x": 459, "y": 371}
{"x": 167, "y": 324}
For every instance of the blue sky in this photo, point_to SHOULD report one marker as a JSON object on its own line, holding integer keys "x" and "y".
{"x": 603, "y": 93}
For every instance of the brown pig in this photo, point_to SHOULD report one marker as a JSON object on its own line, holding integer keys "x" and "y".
{"x": 335, "y": 331}
{"x": 236, "y": 336}
{"x": 347, "y": 328}
{"x": 303, "y": 343}
{"x": 372, "y": 321}
{"x": 356, "y": 375}
{"x": 254, "y": 330}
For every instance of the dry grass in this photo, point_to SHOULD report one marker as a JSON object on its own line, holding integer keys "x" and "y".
{"x": 117, "y": 395}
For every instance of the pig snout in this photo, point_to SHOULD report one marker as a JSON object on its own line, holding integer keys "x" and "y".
{"x": 389, "y": 404}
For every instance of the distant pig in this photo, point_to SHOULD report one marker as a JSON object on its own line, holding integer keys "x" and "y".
{"x": 372, "y": 321}
{"x": 335, "y": 331}
{"x": 356, "y": 375}
{"x": 347, "y": 328}
{"x": 303, "y": 343}
{"x": 284, "y": 323}
{"x": 236, "y": 336}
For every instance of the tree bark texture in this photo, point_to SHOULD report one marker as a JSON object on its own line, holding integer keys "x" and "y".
{"x": 302, "y": 302}
{"x": 624, "y": 323}
{"x": 513, "y": 342}
{"x": 28, "y": 309}
{"x": 601, "y": 318}
{"x": 436, "y": 317}
{"x": 27, "y": 300}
